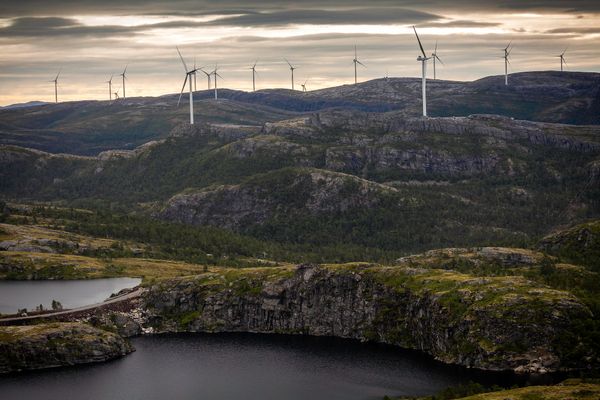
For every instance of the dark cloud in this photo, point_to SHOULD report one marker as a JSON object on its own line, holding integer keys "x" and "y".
{"x": 54, "y": 26}
{"x": 305, "y": 16}
{"x": 576, "y": 30}
{"x": 459, "y": 24}
{"x": 207, "y": 7}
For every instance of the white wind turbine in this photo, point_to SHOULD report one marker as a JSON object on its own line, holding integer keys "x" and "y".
{"x": 110, "y": 87}
{"x": 215, "y": 73}
{"x": 507, "y": 51}
{"x": 562, "y": 60}
{"x": 188, "y": 76}
{"x": 304, "y": 85}
{"x": 123, "y": 76}
{"x": 55, "y": 80}
{"x": 434, "y": 56}
{"x": 355, "y": 61}
{"x": 208, "y": 74}
{"x": 423, "y": 59}
{"x": 253, "y": 68}
{"x": 292, "y": 68}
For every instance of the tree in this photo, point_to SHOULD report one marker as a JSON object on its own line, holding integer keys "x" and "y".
{"x": 56, "y": 305}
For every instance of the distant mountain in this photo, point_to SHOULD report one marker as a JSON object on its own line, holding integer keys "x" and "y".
{"x": 90, "y": 127}
{"x": 24, "y": 105}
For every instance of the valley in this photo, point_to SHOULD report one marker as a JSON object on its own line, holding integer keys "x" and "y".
{"x": 469, "y": 237}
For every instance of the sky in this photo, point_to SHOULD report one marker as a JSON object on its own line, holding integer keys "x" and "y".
{"x": 90, "y": 40}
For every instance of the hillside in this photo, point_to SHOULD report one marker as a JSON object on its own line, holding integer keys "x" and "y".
{"x": 90, "y": 127}
{"x": 375, "y": 180}
{"x": 495, "y": 308}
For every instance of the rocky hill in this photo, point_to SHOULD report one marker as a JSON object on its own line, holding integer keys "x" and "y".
{"x": 378, "y": 180}
{"x": 56, "y": 345}
{"x": 500, "y": 323}
{"x": 579, "y": 244}
{"x": 89, "y": 127}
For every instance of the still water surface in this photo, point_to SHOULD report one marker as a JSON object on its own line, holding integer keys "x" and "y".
{"x": 75, "y": 293}
{"x": 249, "y": 367}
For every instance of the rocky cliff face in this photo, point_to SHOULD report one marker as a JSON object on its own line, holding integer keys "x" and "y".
{"x": 57, "y": 344}
{"x": 299, "y": 190}
{"x": 494, "y": 323}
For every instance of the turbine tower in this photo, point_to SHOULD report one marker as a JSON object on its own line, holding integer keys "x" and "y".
{"x": 123, "y": 76}
{"x": 423, "y": 59}
{"x": 188, "y": 76}
{"x": 215, "y": 73}
{"x": 507, "y": 51}
{"x": 110, "y": 87}
{"x": 562, "y": 60}
{"x": 355, "y": 61}
{"x": 55, "y": 80}
{"x": 434, "y": 56}
{"x": 292, "y": 68}
{"x": 253, "y": 68}
{"x": 208, "y": 74}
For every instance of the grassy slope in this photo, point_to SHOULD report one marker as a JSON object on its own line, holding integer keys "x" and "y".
{"x": 568, "y": 390}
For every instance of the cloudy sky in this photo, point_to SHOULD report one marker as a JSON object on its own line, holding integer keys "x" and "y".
{"x": 89, "y": 40}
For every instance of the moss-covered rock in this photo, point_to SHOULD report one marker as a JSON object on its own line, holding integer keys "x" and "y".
{"x": 57, "y": 344}
{"x": 495, "y": 323}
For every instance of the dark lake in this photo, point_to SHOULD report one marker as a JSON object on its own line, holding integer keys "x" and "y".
{"x": 249, "y": 367}
{"x": 71, "y": 293}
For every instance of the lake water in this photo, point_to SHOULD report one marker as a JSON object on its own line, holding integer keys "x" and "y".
{"x": 249, "y": 367}
{"x": 75, "y": 293}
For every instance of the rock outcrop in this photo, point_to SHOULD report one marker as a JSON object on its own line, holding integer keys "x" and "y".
{"x": 304, "y": 190}
{"x": 493, "y": 323}
{"x": 57, "y": 344}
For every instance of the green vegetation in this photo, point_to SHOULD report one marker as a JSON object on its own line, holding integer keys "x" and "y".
{"x": 174, "y": 241}
{"x": 573, "y": 389}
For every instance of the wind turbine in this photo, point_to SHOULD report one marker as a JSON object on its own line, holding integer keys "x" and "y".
{"x": 117, "y": 94}
{"x": 110, "y": 87}
{"x": 208, "y": 74}
{"x": 216, "y": 73}
{"x": 355, "y": 61}
{"x": 434, "y": 56}
{"x": 195, "y": 69}
{"x": 123, "y": 75}
{"x": 562, "y": 60}
{"x": 507, "y": 51}
{"x": 55, "y": 80}
{"x": 304, "y": 85}
{"x": 253, "y": 68}
{"x": 423, "y": 59}
{"x": 292, "y": 68}
{"x": 188, "y": 74}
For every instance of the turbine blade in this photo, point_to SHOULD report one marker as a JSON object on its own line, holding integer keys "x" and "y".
{"x": 288, "y": 63}
{"x": 439, "y": 59}
{"x": 435, "y": 50}
{"x": 361, "y": 64}
{"x": 125, "y": 70}
{"x": 182, "y": 60}
{"x": 420, "y": 45}
{"x": 182, "y": 89}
